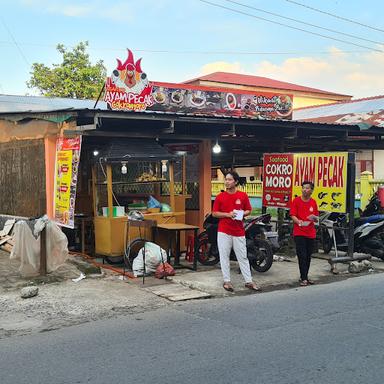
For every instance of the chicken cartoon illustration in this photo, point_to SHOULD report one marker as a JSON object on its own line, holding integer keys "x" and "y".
{"x": 128, "y": 76}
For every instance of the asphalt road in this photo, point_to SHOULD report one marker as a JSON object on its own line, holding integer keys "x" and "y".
{"x": 323, "y": 334}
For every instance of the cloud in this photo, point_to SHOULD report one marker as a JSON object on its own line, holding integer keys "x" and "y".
{"x": 360, "y": 75}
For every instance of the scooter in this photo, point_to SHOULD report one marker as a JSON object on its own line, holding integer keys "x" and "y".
{"x": 259, "y": 251}
{"x": 368, "y": 234}
{"x": 373, "y": 207}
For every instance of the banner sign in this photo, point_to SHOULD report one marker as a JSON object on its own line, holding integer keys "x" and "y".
{"x": 284, "y": 173}
{"x": 217, "y": 103}
{"x": 277, "y": 180}
{"x": 128, "y": 89}
{"x": 66, "y": 169}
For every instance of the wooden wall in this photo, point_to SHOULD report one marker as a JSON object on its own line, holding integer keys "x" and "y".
{"x": 22, "y": 178}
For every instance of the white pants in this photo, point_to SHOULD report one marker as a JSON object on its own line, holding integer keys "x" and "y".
{"x": 225, "y": 244}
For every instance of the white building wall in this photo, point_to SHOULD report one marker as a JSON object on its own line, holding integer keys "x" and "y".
{"x": 378, "y": 164}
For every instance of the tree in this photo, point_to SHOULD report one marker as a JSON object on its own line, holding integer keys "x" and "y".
{"x": 75, "y": 77}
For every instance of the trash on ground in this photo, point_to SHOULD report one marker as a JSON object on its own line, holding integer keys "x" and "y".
{"x": 81, "y": 277}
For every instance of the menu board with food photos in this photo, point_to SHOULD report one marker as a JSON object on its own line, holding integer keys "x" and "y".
{"x": 217, "y": 103}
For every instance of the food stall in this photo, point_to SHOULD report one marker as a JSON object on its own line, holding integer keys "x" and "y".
{"x": 135, "y": 176}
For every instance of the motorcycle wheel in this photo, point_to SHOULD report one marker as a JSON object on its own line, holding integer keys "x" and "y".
{"x": 260, "y": 255}
{"x": 326, "y": 241}
{"x": 132, "y": 251}
{"x": 207, "y": 254}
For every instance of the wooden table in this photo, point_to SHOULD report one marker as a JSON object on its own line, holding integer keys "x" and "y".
{"x": 176, "y": 228}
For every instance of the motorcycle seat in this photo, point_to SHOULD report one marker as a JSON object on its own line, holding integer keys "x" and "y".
{"x": 369, "y": 219}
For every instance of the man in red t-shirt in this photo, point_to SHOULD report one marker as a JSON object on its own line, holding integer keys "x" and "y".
{"x": 304, "y": 213}
{"x": 230, "y": 207}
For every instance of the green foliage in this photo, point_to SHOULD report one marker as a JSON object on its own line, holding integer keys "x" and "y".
{"x": 75, "y": 77}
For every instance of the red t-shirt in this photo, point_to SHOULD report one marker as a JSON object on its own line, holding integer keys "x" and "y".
{"x": 227, "y": 202}
{"x": 302, "y": 209}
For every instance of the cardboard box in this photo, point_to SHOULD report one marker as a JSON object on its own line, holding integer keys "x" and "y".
{"x": 117, "y": 211}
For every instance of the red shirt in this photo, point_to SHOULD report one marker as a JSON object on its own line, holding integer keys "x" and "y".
{"x": 227, "y": 202}
{"x": 302, "y": 209}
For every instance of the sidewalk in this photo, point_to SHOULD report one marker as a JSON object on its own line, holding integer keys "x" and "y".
{"x": 62, "y": 302}
{"x": 282, "y": 275}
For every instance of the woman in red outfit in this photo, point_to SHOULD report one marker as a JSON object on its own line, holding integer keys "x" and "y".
{"x": 230, "y": 207}
{"x": 304, "y": 213}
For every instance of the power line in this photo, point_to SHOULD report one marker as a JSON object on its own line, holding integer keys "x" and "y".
{"x": 289, "y": 26}
{"x": 194, "y": 52}
{"x": 303, "y": 22}
{"x": 333, "y": 15}
{"x": 15, "y": 42}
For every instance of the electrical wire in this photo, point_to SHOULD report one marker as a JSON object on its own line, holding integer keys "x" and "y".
{"x": 15, "y": 42}
{"x": 207, "y": 52}
{"x": 335, "y": 16}
{"x": 303, "y": 22}
{"x": 290, "y": 26}
{"x": 111, "y": 188}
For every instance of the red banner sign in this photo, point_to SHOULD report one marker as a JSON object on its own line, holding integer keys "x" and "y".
{"x": 128, "y": 89}
{"x": 277, "y": 180}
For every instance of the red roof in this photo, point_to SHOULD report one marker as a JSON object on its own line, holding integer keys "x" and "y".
{"x": 257, "y": 81}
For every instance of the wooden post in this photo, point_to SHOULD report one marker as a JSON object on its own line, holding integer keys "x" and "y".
{"x": 94, "y": 190}
{"x": 109, "y": 191}
{"x": 171, "y": 187}
{"x": 205, "y": 185}
{"x": 183, "y": 176}
{"x": 43, "y": 252}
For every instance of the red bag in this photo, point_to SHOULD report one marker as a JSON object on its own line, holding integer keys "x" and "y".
{"x": 163, "y": 270}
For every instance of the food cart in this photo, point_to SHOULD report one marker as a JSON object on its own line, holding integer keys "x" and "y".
{"x": 126, "y": 176}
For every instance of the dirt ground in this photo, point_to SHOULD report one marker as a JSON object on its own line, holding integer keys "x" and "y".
{"x": 62, "y": 302}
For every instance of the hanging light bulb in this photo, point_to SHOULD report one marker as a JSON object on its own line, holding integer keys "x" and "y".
{"x": 216, "y": 148}
{"x": 124, "y": 168}
{"x": 95, "y": 153}
{"x": 164, "y": 167}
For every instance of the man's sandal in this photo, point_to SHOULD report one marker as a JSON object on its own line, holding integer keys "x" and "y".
{"x": 252, "y": 287}
{"x": 304, "y": 283}
{"x": 228, "y": 287}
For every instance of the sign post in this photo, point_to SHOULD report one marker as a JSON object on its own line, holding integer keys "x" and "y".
{"x": 351, "y": 202}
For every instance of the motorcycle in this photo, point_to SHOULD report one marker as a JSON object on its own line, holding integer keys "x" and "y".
{"x": 373, "y": 207}
{"x": 368, "y": 234}
{"x": 259, "y": 251}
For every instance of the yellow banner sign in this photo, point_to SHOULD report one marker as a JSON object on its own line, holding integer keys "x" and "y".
{"x": 67, "y": 163}
{"x": 328, "y": 172}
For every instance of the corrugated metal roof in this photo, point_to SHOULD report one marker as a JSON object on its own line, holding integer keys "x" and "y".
{"x": 368, "y": 105}
{"x": 135, "y": 149}
{"x": 15, "y": 103}
{"x": 257, "y": 81}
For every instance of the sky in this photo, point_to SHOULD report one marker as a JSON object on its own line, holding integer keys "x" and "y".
{"x": 182, "y": 39}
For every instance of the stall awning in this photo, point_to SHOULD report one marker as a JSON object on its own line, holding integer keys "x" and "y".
{"x": 132, "y": 149}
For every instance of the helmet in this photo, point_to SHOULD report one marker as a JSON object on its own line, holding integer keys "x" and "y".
{"x": 135, "y": 215}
